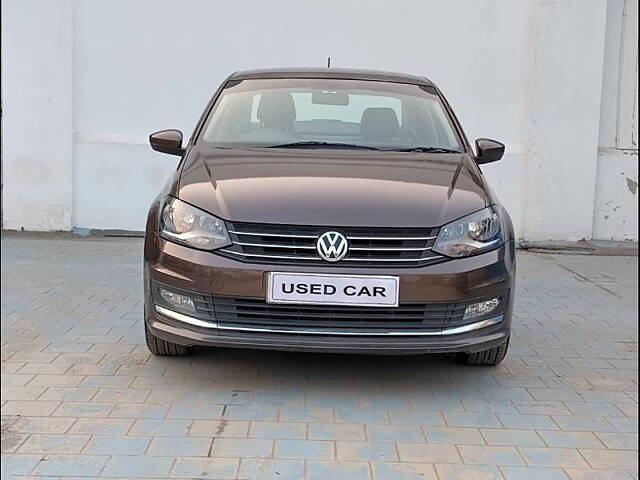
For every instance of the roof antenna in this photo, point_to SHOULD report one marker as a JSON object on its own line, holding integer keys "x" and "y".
{"x": 328, "y": 62}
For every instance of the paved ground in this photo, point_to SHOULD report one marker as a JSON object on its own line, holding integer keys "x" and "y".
{"x": 81, "y": 395}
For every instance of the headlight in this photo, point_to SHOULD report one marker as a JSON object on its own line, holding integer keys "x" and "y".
{"x": 182, "y": 223}
{"x": 472, "y": 234}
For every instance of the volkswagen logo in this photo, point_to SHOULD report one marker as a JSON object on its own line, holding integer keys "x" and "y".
{"x": 332, "y": 246}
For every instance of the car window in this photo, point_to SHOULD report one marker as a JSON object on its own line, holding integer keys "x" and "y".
{"x": 266, "y": 113}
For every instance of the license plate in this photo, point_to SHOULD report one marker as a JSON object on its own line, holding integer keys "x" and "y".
{"x": 323, "y": 289}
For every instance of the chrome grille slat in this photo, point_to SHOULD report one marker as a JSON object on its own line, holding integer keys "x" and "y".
{"x": 280, "y": 257}
{"x": 272, "y": 234}
{"x": 383, "y": 249}
{"x": 391, "y": 238}
{"x": 296, "y": 244}
{"x": 274, "y": 245}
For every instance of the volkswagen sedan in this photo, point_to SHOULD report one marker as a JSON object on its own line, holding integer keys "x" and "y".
{"x": 329, "y": 210}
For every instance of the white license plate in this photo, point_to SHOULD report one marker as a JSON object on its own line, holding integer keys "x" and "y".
{"x": 323, "y": 289}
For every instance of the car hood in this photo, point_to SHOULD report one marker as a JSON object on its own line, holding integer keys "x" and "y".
{"x": 332, "y": 187}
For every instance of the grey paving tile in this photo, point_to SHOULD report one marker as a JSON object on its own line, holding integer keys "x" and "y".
{"x": 19, "y": 464}
{"x": 533, "y": 473}
{"x": 395, "y": 433}
{"x": 470, "y": 472}
{"x": 416, "y": 417}
{"x": 137, "y": 466}
{"x": 83, "y": 409}
{"x": 37, "y": 424}
{"x": 333, "y": 431}
{"x": 211, "y": 468}
{"x": 117, "y": 445}
{"x": 590, "y": 474}
{"x": 101, "y": 426}
{"x": 357, "y": 415}
{"x": 243, "y": 412}
{"x": 625, "y": 425}
{"x": 490, "y": 455}
{"x": 487, "y": 420}
{"x": 379, "y": 451}
{"x": 511, "y": 437}
{"x": 196, "y": 411}
{"x": 184, "y": 447}
{"x": 120, "y": 395}
{"x": 61, "y": 380}
{"x": 403, "y": 471}
{"x": 28, "y": 408}
{"x": 304, "y": 449}
{"x": 242, "y": 447}
{"x": 66, "y": 394}
{"x": 618, "y": 441}
{"x": 495, "y": 406}
{"x": 71, "y": 465}
{"x": 553, "y": 457}
{"x": 352, "y": 470}
{"x": 161, "y": 427}
{"x": 454, "y": 435}
{"x": 611, "y": 459}
{"x": 598, "y": 409}
{"x": 23, "y": 393}
{"x": 528, "y": 422}
{"x": 416, "y": 452}
{"x": 53, "y": 443}
{"x": 219, "y": 428}
{"x": 271, "y": 469}
{"x": 570, "y": 439}
{"x": 139, "y": 410}
{"x": 577, "y": 423}
{"x": 280, "y": 430}
{"x": 540, "y": 407}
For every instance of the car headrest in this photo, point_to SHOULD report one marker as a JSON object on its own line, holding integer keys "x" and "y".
{"x": 379, "y": 123}
{"x": 276, "y": 109}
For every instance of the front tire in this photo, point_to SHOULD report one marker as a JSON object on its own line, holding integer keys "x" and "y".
{"x": 161, "y": 347}
{"x": 487, "y": 358}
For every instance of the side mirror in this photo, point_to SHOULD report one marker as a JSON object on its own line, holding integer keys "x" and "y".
{"x": 488, "y": 150}
{"x": 167, "y": 141}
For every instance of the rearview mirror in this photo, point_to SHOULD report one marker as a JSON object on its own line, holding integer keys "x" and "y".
{"x": 488, "y": 150}
{"x": 329, "y": 97}
{"x": 167, "y": 141}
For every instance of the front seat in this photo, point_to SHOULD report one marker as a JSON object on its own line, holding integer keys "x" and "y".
{"x": 379, "y": 124}
{"x": 277, "y": 110}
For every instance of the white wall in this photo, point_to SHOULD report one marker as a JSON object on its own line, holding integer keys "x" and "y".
{"x": 527, "y": 73}
{"x": 37, "y": 98}
{"x": 616, "y": 203}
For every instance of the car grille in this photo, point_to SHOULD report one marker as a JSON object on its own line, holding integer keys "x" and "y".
{"x": 248, "y": 312}
{"x": 295, "y": 244}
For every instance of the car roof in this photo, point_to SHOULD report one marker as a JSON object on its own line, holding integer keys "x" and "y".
{"x": 338, "y": 73}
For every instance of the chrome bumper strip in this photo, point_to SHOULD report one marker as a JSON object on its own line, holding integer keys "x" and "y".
{"x": 390, "y": 333}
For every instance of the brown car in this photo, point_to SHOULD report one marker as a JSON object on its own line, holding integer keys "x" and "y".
{"x": 329, "y": 210}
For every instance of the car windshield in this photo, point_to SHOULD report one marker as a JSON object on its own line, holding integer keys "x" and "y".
{"x": 329, "y": 113}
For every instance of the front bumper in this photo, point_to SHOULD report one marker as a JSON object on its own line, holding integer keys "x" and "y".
{"x": 457, "y": 280}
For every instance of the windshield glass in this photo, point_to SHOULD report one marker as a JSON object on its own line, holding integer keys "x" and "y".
{"x": 329, "y": 113}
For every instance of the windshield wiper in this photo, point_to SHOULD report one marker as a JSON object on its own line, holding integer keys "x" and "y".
{"x": 424, "y": 149}
{"x": 313, "y": 143}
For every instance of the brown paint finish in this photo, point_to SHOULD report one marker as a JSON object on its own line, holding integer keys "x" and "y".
{"x": 331, "y": 187}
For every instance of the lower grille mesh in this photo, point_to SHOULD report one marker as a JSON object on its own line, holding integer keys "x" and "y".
{"x": 256, "y": 312}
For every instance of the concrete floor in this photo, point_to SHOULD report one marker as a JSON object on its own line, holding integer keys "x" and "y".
{"x": 82, "y": 397}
